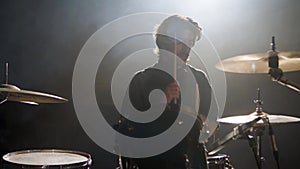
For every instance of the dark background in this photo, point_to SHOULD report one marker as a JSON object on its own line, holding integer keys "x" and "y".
{"x": 41, "y": 40}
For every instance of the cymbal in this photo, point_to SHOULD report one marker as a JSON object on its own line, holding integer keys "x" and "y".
{"x": 258, "y": 63}
{"x": 13, "y": 93}
{"x": 274, "y": 119}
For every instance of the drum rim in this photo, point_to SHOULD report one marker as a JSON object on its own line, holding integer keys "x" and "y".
{"x": 217, "y": 156}
{"x": 83, "y": 163}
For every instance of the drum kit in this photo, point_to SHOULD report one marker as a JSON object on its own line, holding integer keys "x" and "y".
{"x": 252, "y": 126}
{"x": 39, "y": 158}
{"x": 249, "y": 126}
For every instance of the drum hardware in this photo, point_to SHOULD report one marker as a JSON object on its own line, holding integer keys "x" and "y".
{"x": 13, "y": 93}
{"x": 274, "y": 63}
{"x": 254, "y": 139}
{"x": 266, "y": 119}
{"x": 46, "y": 158}
{"x": 220, "y": 161}
{"x": 274, "y": 119}
{"x": 237, "y": 132}
{"x": 49, "y": 158}
{"x": 252, "y": 128}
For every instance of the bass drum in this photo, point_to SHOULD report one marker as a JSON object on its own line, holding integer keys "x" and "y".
{"x": 52, "y": 159}
{"x": 219, "y": 162}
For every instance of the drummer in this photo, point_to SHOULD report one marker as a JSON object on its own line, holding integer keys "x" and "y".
{"x": 175, "y": 36}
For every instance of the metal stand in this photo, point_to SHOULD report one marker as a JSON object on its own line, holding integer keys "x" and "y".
{"x": 255, "y": 144}
{"x": 275, "y": 72}
{"x": 255, "y": 138}
{"x": 3, "y": 97}
{"x": 252, "y": 130}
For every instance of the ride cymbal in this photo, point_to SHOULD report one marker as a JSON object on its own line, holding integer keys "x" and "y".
{"x": 259, "y": 63}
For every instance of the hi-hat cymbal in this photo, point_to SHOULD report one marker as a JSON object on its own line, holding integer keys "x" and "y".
{"x": 273, "y": 119}
{"x": 258, "y": 63}
{"x": 13, "y": 93}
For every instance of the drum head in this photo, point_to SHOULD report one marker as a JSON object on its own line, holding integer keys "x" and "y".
{"x": 48, "y": 158}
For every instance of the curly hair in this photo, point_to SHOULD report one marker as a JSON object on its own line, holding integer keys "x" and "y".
{"x": 175, "y": 24}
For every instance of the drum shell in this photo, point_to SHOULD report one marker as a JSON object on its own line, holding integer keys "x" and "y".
{"x": 85, "y": 164}
{"x": 218, "y": 162}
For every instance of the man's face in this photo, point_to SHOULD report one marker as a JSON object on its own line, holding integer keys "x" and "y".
{"x": 182, "y": 51}
{"x": 183, "y": 45}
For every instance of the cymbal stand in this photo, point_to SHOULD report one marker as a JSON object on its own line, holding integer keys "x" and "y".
{"x": 275, "y": 72}
{"x": 274, "y": 145}
{"x": 254, "y": 136}
{"x": 3, "y": 97}
{"x": 255, "y": 143}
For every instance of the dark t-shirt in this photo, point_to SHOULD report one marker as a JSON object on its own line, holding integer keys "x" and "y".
{"x": 188, "y": 149}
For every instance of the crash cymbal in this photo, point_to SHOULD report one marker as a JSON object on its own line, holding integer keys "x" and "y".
{"x": 13, "y": 93}
{"x": 258, "y": 63}
{"x": 274, "y": 119}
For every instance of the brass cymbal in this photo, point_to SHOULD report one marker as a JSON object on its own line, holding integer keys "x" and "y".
{"x": 274, "y": 119}
{"x": 13, "y": 93}
{"x": 258, "y": 63}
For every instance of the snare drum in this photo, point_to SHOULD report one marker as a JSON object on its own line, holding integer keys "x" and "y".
{"x": 61, "y": 159}
{"x": 219, "y": 162}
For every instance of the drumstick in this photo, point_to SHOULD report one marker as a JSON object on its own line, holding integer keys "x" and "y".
{"x": 175, "y": 65}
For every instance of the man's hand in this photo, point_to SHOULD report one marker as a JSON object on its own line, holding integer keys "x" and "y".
{"x": 172, "y": 92}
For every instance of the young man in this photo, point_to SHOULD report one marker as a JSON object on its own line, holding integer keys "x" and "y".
{"x": 174, "y": 38}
